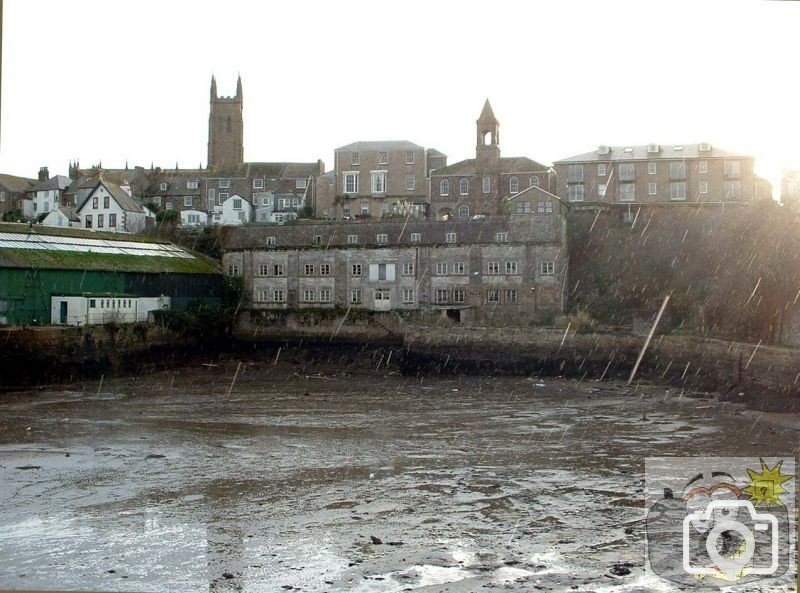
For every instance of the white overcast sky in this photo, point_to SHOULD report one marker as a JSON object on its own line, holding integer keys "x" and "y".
{"x": 114, "y": 81}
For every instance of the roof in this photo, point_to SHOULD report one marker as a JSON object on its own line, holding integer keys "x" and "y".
{"x": 266, "y": 170}
{"x": 70, "y": 213}
{"x": 507, "y": 166}
{"x": 381, "y": 145}
{"x": 535, "y": 189}
{"x": 125, "y": 202}
{"x": 14, "y": 183}
{"x": 487, "y": 115}
{"x": 640, "y": 153}
{"x": 434, "y": 152}
{"x": 56, "y": 182}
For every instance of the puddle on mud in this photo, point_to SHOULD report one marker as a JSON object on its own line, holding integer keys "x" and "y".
{"x": 165, "y": 483}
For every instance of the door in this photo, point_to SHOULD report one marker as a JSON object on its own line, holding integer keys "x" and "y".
{"x": 64, "y": 312}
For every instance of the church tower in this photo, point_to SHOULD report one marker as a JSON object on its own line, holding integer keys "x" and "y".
{"x": 225, "y": 129}
{"x": 487, "y": 151}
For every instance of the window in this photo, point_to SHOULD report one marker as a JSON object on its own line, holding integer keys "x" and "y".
{"x": 211, "y": 197}
{"x": 511, "y": 267}
{"x": 308, "y": 269}
{"x": 544, "y": 207}
{"x": 92, "y": 304}
{"x": 602, "y": 169}
{"x": 444, "y": 188}
{"x": 258, "y": 184}
{"x": 627, "y": 172}
{"x": 493, "y": 268}
{"x": 627, "y": 192}
{"x": 309, "y": 296}
{"x": 187, "y": 201}
{"x": 732, "y": 169}
{"x": 442, "y": 295}
{"x": 652, "y": 168}
{"x": 416, "y": 237}
{"x": 263, "y": 270}
{"x": 277, "y": 270}
{"x": 523, "y": 207}
{"x": 534, "y": 180}
{"x": 95, "y": 202}
{"x": 459, "y": 296}
{"x": 677, "y": 170}
{"x": 501, "y": 237}
{"x": 601, "y": 190}
{"x": 703, "y": 167}
{"x": 493, "y": 296}
{"x": 324, "y": 269}
{"x": 270, "y": 241}
{"x": 408, "y": 268}
{"x": 351, "y": 183}
{"x": 411, "y": 157}
{"x": 704, "y": 187}
{"x": 510, "y": 295}
{"x": 295, "y": 202}
{"x": 575, "y": 193}
{"x": 223, "y": 196}
{"x": 316, "y": 240}
{"x": 277, "y": 296}
{"x": 547, "y": 268}
{"x": 224, "y": 183}
{"x": 459, "y": 268}
{"x": 352, "y": 239}
{"x": 408, "y": 296}
{"x": 157, "y": 200}
{"x": 463, "y": 187}
{"x": 164, "y": 187}
{"x": 463, "y": 212}
{"x": 378, "y": 182}
{"x": 487, "y": 184}
{"x": 237, "y": 203}
{"x": 382, "y": 294}
{"x": 575, "y": 174}
{"x": 100, "y": 221}
{"x": 381, "y": 238}
{"x": 354, "y": 158}
{"x": 192, "y": 184}
{"x": 262, "y": 295}
{"x": 441, "y": 268}
{"x": 365, "y": 208}
{"x": 513, "y": 185}
{"x": 356, "y": 270}
{"x": 325, "y": 295}
{"x": 169, "y": 206}
{"x": 106, "y": 202}
{"x": 383, "y": 158}
{"x": 112, "y": 220}
{"x": 233, "y": 270}
{"x": 651, "y": 189}
{"x": 677, "y": 190}
{"x": 88, "y": 219}
{"x": 300, "y": 183}
{"x": 450, "y": 238}
{"x": 411, "y": 181}
{"x": 355, "y": 296}
{"x": 733, "y": 190}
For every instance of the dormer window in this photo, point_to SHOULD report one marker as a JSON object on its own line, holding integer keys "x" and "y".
{"x": 705, "y": 147}
{"x": 192, "y": 184}
{"x": 224, "y": 183}
{"x": 258, "y": 184}
{"x": 603, "y": 149}
{"x": 164, "y": 186}
{"x": 652, "y": 148}
{"x": 629, "y": 150}
{"x": 678, "y": 148}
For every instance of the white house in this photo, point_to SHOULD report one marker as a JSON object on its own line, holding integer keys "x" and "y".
{"x": 236, "y": 210}
{"x": 92, "y": 309}
{"x": 63, "y": 217}
{"x": 194, "y": 218}
{"x": 45, "y": 196}
{"x": 109, "y": 208}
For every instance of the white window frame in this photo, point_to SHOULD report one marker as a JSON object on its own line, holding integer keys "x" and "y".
{"x": 512, "y": 268}
{"x": 441, "y": 268}
{"x": 486, "y": 184}
{"x": 501, "y": 237}
{"x": 547, "y": 268}
{"x": 575, "y": 193}
{"x": 408, "y": 296}
{"x": 308, "y": 269}
{"x": 442, "y": 296}
{"x": 383, "y": 157}
{"x": 444, "y": 187}
{"x": 382, "y": 238}
{"x": 378, "y": 182}
{"x": 278, "y": 296}
{"x": 602, "y": 169}
{"x": 493, "y": 296}
{"x": 309, "y": 295}
{"x": 324, "y": 295}
{"x": 703, "y": 186}
{"x": 416, "y": 237}
{"x": 356, "y": 297}
{"x": 270, "y": 241}
{"x": 459, "y": 268}
{"x": 258, "y": 184}
{"x": 629, "y": 196}
{"x": 652, "y": 167}
{"x": 224, "y": 183}
{"x": 355, "y": 158}
{"x": 601, "y": 191}
{"x": 192, "y": 184}
{"x": 263, "y": 270}
{"x": 463, "y": 186}
{"x": 513, "y": 185}
{"x": 703, "y": 166}
{"x": 408, "y": 268}
{"x": 187, "y": 201}
{"x": 411, "y": 157}
{"x": 493, "y": 268}
{"x": 652, "y": 189}
{"x": 350, "y": 178}
{"x": 677, "y": 191}
{"x": 450, "y": 238}
{"x": 352, "y": 239}
{"x": 411, "y": 181}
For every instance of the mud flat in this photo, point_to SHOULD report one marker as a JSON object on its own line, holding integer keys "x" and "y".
{"x": 266, "y": 476}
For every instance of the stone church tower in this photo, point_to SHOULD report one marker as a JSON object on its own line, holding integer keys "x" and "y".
{"x": 487, "y": 151}
{"x": 225, "y": 129}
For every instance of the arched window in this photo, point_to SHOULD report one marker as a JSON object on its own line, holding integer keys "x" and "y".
{"x": 513, "y": 185}
{"x": 534, "y": 180}
{"x": 444, "y": 188}
{"x": 463, "y": 212}
{"x": 463, "y": 187}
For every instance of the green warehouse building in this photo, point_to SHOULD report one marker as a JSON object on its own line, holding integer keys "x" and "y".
{"x": 74, "y": 277}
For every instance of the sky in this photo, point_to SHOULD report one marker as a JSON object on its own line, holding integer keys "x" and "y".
{"x": 128, "y": 82}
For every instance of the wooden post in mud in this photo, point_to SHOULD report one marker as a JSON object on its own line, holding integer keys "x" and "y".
{"x": 649, "y": 337}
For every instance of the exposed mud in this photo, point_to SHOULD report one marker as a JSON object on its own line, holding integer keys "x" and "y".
{"x": 286, "y": 480}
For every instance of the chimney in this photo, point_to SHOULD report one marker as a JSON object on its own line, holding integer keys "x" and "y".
{"x": 320, "y": 167}
{"x": 44, "y": 174}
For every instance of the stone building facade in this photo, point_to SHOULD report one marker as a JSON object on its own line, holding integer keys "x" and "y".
{"x": 508, "y": 269}
{"x": 657, "y": 174}
{"x": 483, "y": 184}
{"x": 225, "y": 128}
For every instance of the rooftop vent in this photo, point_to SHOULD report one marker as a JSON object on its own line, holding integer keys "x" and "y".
{"x": 603, "y": 149}
{"x": 651, "y": 148}
{"x": 677, "y": 148}
{"x": 629, "y": 149}
{"x": 705, "y": 147}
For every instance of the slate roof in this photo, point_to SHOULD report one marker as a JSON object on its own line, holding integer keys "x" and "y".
{"x": 434, "y": 152}
{"x": 70, "y": 213}
{"x": 639, "y": 153}
{"x": 381, "y": 145}
{"x": 16, "y": 184}
{"x": 507, "y": 166}
{"x": 56, "y": 182}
